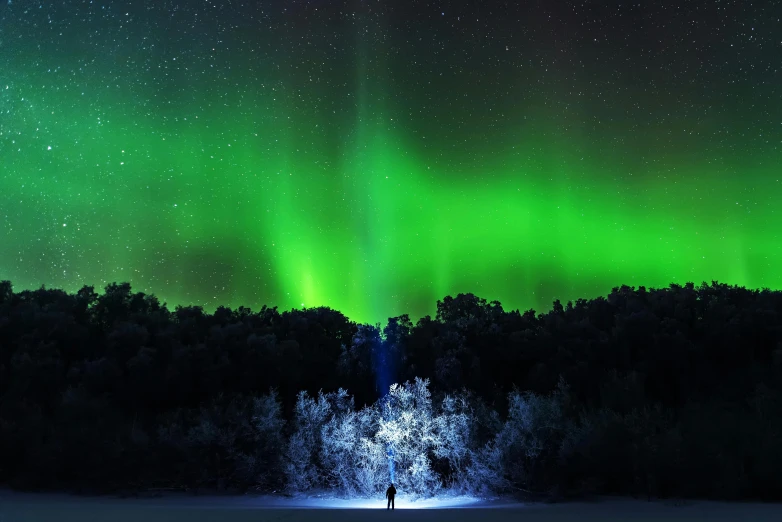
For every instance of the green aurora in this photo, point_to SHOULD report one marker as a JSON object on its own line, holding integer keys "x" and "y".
{"x": 350, "y": 180}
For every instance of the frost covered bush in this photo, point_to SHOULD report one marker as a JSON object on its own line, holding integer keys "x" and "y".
{"x": 370, "y": 462}
{"x": 407, "y": 430}
{"x": 423, "y": 448}
{"x": 354, "y": 452}
{"x": 352, "y": 461}
{"x": 535, "y": 439}
{"x": 339, "y": 436}
{"x": 302, "y": 468}
{"x": 454, "y": 439}
{"x": 332, "y": 446}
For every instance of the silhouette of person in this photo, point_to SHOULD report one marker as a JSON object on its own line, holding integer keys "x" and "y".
{"x": 390, "y": 493}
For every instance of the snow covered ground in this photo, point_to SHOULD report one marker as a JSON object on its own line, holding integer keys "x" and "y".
{"x": 22, "y": 507}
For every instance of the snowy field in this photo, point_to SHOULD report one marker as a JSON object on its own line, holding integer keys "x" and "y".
{"x": 18, "y": 507}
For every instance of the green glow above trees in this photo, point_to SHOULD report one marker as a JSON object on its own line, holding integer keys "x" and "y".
{"x": 362, "y": 185}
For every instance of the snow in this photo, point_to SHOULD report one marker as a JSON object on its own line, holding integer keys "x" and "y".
{"x": 23, "y": 507}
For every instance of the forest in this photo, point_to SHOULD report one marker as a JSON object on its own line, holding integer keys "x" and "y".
{"x": 653, "y": 393}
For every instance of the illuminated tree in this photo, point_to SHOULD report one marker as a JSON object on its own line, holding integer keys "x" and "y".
{"x": 454, "y": 439}
{"x": 301, "y": 469}
{"x": 371, "y": 463}
{"x": 333, "y": 446}
{"x": 339, "y": 438}
{"x": 407, "y": 430}
{"x": 353, "y": 460}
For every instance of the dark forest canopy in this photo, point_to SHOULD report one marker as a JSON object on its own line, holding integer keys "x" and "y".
{"x": 658, "y": 392}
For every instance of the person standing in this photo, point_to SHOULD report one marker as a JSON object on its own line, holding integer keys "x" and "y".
{"x": 390, "y": 494}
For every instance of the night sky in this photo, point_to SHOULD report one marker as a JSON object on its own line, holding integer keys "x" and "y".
{"x": 375, "y": 156}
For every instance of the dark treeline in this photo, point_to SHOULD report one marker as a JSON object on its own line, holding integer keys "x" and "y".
{"x": 652, "y": 392}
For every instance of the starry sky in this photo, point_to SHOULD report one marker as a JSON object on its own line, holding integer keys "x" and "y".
{"x": 377, "y": 155}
